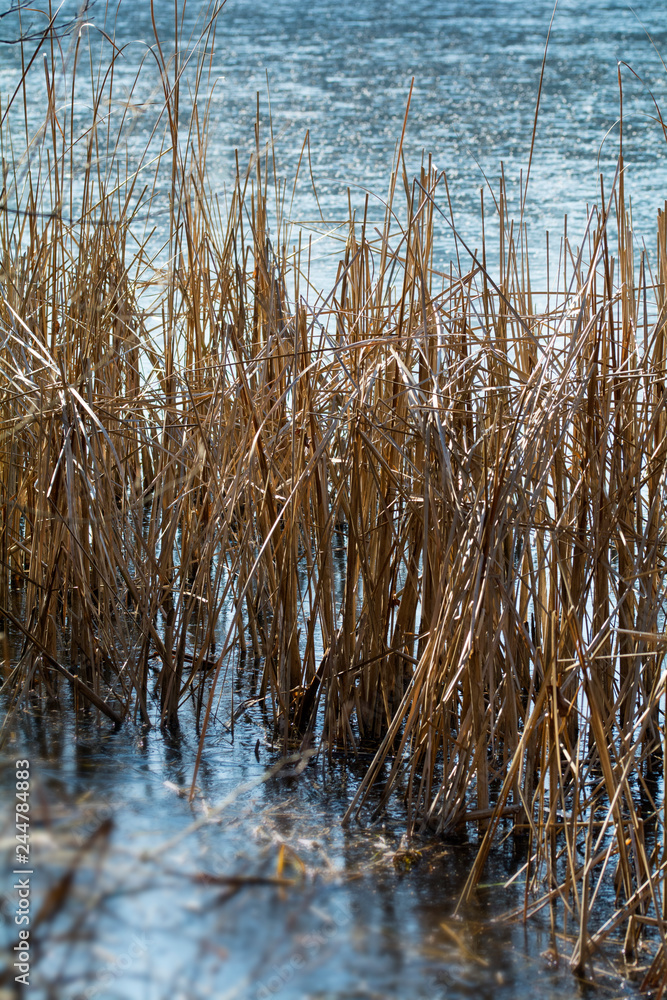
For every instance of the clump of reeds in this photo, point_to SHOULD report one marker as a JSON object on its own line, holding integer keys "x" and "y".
{"x": 191, "y": 446}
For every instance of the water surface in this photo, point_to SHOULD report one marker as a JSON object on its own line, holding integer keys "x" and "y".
{"x": 270, "y": 897}
{"x": 343, "y": 71}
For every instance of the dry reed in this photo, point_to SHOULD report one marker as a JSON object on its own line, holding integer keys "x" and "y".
{"x": 190, "y": 444}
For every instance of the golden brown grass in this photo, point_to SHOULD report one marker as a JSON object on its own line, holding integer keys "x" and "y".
{"x": 186, "y": 444}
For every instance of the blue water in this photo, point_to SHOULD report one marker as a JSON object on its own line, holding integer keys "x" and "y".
{"x": 343, "y": 72}
{"x": 353, "y": 920}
